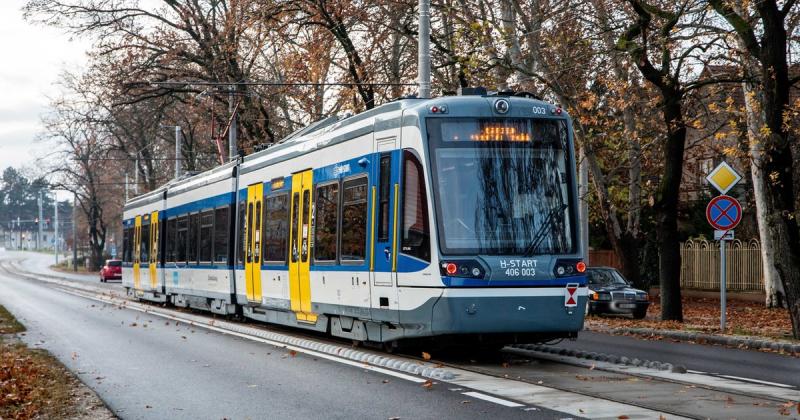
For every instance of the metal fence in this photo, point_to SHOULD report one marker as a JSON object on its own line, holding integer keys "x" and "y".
{"x": 700, "y": 265}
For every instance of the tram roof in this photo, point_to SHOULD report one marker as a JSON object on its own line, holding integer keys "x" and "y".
{"x": 332, "y": 129}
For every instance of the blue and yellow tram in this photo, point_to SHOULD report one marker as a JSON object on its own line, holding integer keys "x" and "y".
{"x": 453, "y": 216}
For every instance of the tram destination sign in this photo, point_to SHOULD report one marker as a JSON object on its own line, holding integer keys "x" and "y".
{"x": 724, "y": 212}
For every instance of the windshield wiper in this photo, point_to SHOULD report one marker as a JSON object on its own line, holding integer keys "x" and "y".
{"x": 540, "y": 234}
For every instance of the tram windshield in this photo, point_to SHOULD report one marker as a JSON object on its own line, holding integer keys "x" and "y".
{"x": 502, "y": 186}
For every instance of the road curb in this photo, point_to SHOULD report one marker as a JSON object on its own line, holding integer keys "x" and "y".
{"x": 602, "y": 357}
{"x": 750, "y": 343}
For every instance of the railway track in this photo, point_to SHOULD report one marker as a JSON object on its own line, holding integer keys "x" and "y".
{"x": 514, "y": 376}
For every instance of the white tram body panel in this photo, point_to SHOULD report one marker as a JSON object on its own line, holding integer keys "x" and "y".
{"x": 337, "y": 228}
{"x": 202, "y": 203}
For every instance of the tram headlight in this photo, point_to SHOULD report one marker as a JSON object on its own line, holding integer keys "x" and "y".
{"x": 569, "y": 267}
{"x": 463, "y": 268}
{"x": 580, "y": 266}
{"x": 451, "y": 268}
{"x": 501, "y": 106}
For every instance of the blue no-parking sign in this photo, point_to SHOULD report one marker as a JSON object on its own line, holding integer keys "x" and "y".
{"x": 724, "y": 212}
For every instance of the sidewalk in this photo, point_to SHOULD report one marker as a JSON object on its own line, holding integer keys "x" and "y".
{"x": 749, "y": 325}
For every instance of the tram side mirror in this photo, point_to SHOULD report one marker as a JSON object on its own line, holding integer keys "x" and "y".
{"x": 363, "y": 162}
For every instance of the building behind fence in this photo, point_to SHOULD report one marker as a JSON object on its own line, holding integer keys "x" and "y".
{"x": 700, "y": 264}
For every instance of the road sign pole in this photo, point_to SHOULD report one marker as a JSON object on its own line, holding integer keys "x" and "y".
{"x": 722, "y": 285}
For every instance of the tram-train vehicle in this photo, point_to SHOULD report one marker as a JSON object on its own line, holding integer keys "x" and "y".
{"x": 449, "y": 217}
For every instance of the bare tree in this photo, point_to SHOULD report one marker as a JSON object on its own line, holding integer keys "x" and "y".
{"x": 77, "y": 128}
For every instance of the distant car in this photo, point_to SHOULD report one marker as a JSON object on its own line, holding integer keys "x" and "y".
{"x": 111, "y": 271}
{"x": 610, "y": 293}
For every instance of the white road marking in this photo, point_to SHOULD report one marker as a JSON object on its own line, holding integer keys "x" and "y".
{"x": 490, "y": 398}
{"x": 758, "y": 381}
{"x": 696, "y": 371}
{"x": 540, "y": 396}
{"x": 705, "y": 379}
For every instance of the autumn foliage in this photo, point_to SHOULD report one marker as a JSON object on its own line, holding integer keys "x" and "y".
{"x": 702, "y": 314}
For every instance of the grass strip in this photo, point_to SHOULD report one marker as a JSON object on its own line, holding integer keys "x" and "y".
{"x": 33, "y": 383}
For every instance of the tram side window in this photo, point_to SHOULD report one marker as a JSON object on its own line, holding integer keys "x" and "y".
{"x": 295, "y": 211}
{"x": 242, "y": 239}
{"x": 221, "y": 235}
{"x": 305, "y": 234}
{"x": 354, "y": 220}
{"x": 326, "y": 222}
{"x": 384, "y": 191}
{"x": 206, "y": 235}
{"x": 171, "y": 239}
{"x": 126, "y": 245}
{"x": 276, "y": 228}
{"x": 191, "y": 249}
{"x": 144, "y": 255}
{"x": 181, "y": 238}
{"x": 416, "y": 237}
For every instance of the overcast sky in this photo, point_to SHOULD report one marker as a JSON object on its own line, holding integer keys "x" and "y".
{"x": 31, "y": 58}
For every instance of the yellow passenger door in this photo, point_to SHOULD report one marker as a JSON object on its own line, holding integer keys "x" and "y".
{"x": 299, "y": 249}
{"x": 154, "y": 225}
{"x": 137, "y": 248}
{"x": 252, "y": 267}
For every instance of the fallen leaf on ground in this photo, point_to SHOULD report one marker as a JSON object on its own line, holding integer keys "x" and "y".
{"x": 428, "y": 384}
{"x": 426, "y": 356}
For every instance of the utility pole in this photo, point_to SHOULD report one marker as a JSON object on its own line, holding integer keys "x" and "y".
{"x": 136, "y": 176}
{"x": 55, "y": 225}
{"x": 177, "y": 151}
{"x": 74, "y": 234}
{"x": 233, "y": 147}
{"x": 19, "y": 233}
{"x": 41, "y": 223}
{"x": 424, "y": 42}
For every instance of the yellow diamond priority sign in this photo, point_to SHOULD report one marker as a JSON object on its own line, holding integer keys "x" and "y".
{"x": 723, "y": 178}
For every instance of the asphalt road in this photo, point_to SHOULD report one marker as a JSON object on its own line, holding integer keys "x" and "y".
{"x": 757, "y": 365}
{"x": 144, "y": 367}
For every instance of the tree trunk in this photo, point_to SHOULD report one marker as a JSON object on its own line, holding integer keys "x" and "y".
{"x": 778, "y": 174}
{"x": 773, "y": 285}
{"x": 666, "y": 209}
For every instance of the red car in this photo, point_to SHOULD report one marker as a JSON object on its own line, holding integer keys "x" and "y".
{"x": 111, "y": 271}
